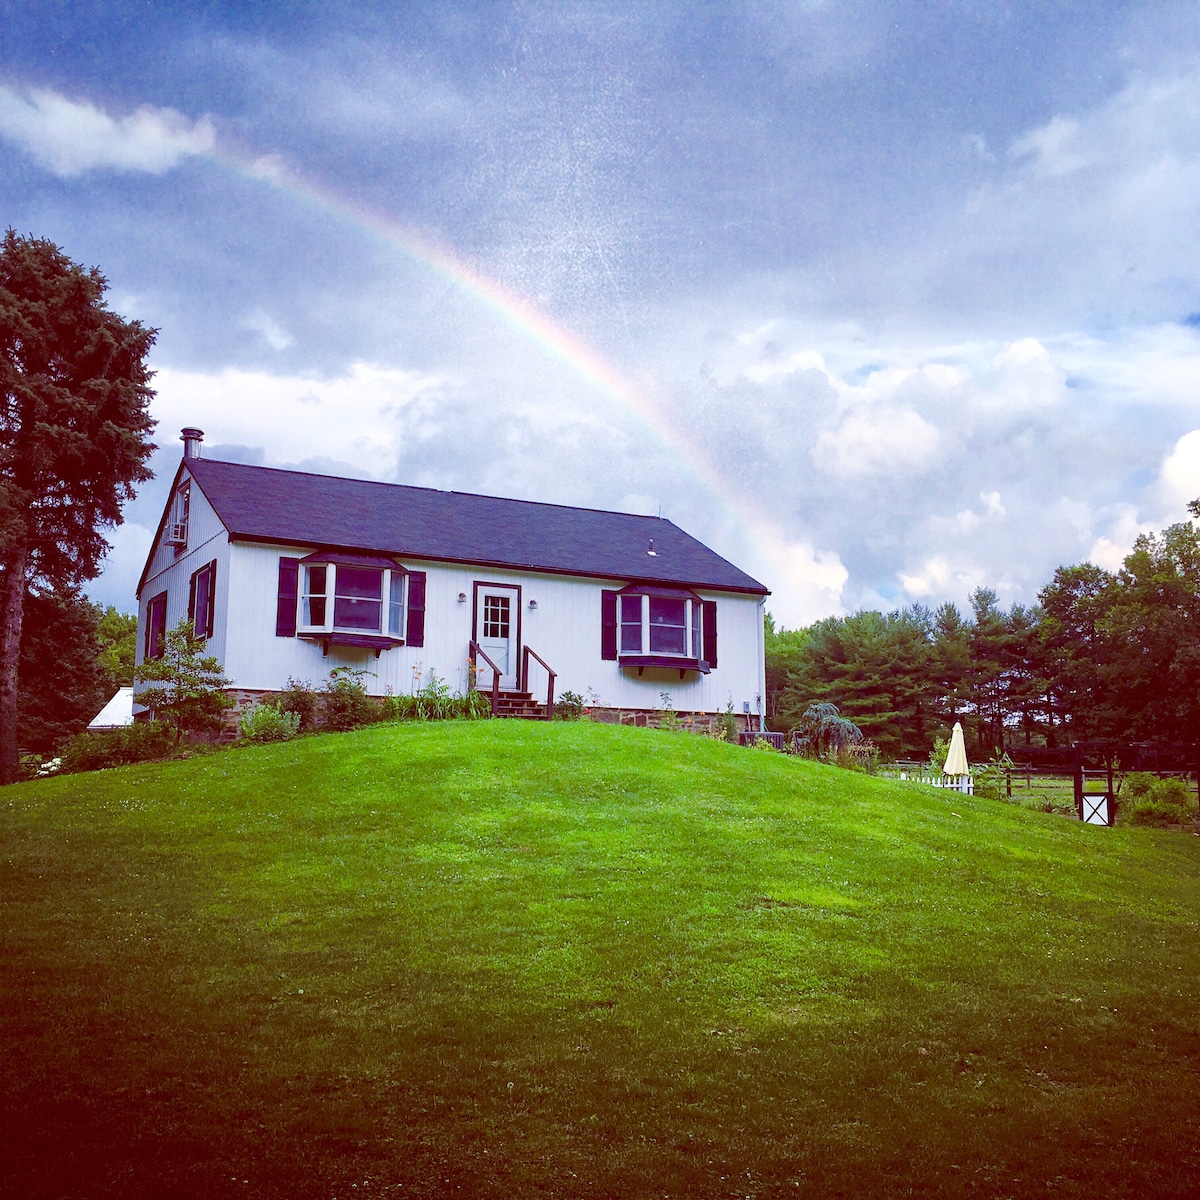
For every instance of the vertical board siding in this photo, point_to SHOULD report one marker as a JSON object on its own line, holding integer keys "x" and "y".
{"x": 565, "y": 629}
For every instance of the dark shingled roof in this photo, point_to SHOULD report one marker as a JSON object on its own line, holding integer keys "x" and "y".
{"x": 264, "y": 504}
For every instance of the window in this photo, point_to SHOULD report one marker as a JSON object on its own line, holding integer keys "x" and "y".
{"x": 202, "y": 599}
{"x": 396, "y": 606}
{"x": 347, "y": 597}
{"x": 156, "y": 626}
{"x": 631, "y": 624}
{"x": 177, "y": 526}
{"x": 668, "y": 625}
{"x": 358, "y": 599}
{"x": 660, "y": 624}
{"x": 312, "y": 610}
{"x": 496, "y": 617}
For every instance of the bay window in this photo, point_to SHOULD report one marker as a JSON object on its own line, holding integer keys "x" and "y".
{"x": 660, "y": 627}
{"x": 356, "y": 596}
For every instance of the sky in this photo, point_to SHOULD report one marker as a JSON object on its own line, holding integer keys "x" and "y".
{"x": 882, "y": 301}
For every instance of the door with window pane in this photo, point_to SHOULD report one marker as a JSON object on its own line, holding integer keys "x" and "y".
{"x": 497, "y": 610}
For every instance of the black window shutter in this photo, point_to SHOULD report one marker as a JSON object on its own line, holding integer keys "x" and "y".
{"x": 289, "y": 589}
{"x": 192, "y": 600}
{"x": 210, "y": 616}
{"x": 608, "y": 625}
{"x": 415, "y": 629}
{"x": 710, "y": 632}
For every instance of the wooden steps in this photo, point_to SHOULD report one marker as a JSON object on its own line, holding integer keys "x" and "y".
{"x": 520, "y": 706}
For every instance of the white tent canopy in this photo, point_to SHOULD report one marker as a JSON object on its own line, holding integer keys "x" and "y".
{"x": 116, "y": 714}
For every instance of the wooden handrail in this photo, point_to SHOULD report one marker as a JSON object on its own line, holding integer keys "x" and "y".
{"x": 475, "y": 651}
{"x": 550, "y": 685}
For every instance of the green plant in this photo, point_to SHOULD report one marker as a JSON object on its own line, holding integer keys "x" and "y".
{"x": 823, "y": 730}
{"x": 143, "y": 741}
{"x": 301, "y": 699}
{"x": 858, "y": 756}
{"x": 727, "y": 726}
{"x": 187, "y": 685}
{"x": 667, "y": 717}
{"x": 346, "y": 703}
{"x": 1154, "y": 801}
{"x": 937, "y": 756}
{"x": 268, "y": 723}
{"x": 569, "y": 706}
{"x": 991, "y": 781}
{"x": 434, "y": 702}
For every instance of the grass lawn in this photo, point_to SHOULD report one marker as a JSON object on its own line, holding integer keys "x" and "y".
{"x": 509, "y": 959}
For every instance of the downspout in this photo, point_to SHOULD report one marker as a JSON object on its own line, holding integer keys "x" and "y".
{"x": 762, "y": 665}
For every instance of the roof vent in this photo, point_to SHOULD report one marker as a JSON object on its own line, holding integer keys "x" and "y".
{"x": 651, "y": 550}
{"x": 191, "y": 439}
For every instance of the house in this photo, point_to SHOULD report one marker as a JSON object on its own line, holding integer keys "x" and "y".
{"x": 290, "y": 574}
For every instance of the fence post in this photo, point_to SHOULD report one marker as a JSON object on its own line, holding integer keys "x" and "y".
{"x": 1077, "y": 766}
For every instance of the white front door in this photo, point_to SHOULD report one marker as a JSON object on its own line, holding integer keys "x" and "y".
{"x": 497, "y": 613}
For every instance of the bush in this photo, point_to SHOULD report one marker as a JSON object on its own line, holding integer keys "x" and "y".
{"x": 268, "y": 723}
{"x": 301, "y": 699}
{"x": 143, "y": 741}
{"x": 569, "y": 707}
{"x": 347, "y": 705}
{"x": 434, "y": 702}
{"x": 1153, "y": 801}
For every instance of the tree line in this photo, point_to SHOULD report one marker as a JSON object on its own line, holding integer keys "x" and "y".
{"x": 1101, "y": 655}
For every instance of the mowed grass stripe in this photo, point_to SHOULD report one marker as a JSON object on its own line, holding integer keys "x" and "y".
{"x": 580, "y": 960}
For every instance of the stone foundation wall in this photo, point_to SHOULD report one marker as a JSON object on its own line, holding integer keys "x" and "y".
{"x": 651, "y": 718}
{"x": 642, "y": 718}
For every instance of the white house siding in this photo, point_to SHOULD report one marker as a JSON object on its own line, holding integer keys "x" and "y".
{"x": 564, "y": 629}
{"x": 172, "y": 572}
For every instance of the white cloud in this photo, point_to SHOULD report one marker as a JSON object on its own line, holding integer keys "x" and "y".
{"x": 872, "y": 441}
{"x": 351, "y": 418}
{"x": 806, "y": 583}
{"x": 1110, "y": 550}
{"x": 938, "y": 576}
{"x": 1179, "y": 479}
{"x": 69, "y": 137}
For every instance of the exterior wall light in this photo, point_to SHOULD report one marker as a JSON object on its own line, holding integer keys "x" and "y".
{"x": 462, "y": 597}
{"x": 533, "y": 605}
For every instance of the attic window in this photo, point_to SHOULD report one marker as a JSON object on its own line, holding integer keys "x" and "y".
{"x": 177, "y": 523}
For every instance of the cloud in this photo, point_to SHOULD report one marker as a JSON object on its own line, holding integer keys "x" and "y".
{"x": 353, "y": 417}
{"x": 1110, "y": 550}
{"x": 938, "y": 576}
{"x": 1179, "y": 479}
{"x": 69, "y": 137}
{"x": 877, "y": 441}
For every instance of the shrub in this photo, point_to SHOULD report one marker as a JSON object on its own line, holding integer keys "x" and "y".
{"x": 434, "y": 702}
{"x": 347, "y": 705}
{"x": 143, "y": 741}
{"x": 568, "y": 707}
{"x": 823, "y": 731}
{"x": 667, "y": 717}
{"x": 268, "y": 723}
{"x": 1158, "y": 802}
{"x": 301, "y": 699}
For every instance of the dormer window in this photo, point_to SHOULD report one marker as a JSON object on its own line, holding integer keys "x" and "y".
{"x": 177, "y": 523}
{"x": 352, "y": 599}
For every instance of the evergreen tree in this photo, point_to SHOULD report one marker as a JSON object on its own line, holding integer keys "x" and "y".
{"x": 74, "y": 437}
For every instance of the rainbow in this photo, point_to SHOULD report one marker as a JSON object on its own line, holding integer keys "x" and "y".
{"x": 561, "y": 343}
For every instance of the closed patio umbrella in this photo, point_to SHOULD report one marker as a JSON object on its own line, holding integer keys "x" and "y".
{"x": 956, "y": 760}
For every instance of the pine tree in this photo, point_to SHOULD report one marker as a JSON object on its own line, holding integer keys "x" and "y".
{"x": 74, "y": 437}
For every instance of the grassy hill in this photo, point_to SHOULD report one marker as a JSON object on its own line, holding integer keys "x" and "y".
{"x": 571, "y": 960}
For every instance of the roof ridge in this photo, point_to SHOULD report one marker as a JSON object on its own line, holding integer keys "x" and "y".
{"x": 416, "y": 487}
